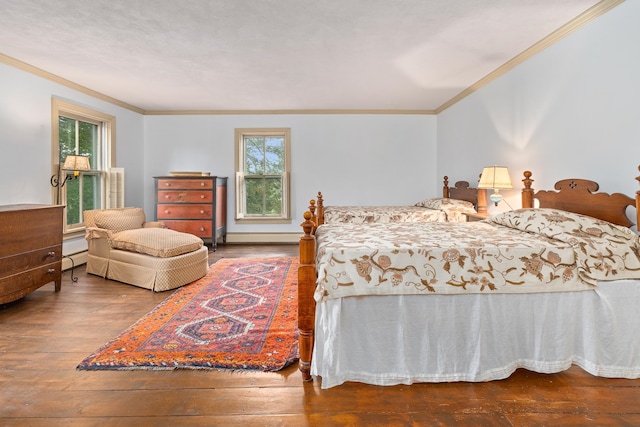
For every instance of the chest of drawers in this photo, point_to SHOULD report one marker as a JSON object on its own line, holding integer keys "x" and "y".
{"x": 195, "y": 205}
{"x": 30, "y": 249}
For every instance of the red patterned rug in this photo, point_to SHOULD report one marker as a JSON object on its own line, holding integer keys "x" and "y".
{"x": 241, "y": 315}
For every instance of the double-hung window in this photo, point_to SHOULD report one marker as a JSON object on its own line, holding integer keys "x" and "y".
{"x": 262, "y": 175}
{"x": 80, "y": 131}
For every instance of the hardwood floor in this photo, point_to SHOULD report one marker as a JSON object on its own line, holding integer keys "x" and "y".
{"x": 45, "y": 335}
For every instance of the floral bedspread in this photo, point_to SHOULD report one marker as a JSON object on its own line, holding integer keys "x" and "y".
{"x": 436, "y": 209}
{"x": 381, "y": 214}
{"x": 504, "y": 255}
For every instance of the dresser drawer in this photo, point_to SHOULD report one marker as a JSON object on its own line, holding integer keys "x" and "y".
{"x": 193, "y": 204}
{"x": 185, "y": 196}
{"x": 201, "y": 229}
{"x": 31, "y": 249}
{"x": 30, "y": 229}
{"x": 169, "y": 211}
{"x": 189, "y": 184}
{"x": 18, "y": 285}
{"x": 29, "y": 260}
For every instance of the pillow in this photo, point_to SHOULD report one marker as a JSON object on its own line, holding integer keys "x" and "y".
{"x": 158, "y": 242}
{"x": 552, "y": 222}
{"x": 454, "y": 209}
{"x": 118, "y": 220}
{"x": 605, "y": 251}
{"x": 444, "y": 203}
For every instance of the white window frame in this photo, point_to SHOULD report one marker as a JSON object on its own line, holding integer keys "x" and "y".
{"x": 241, "y": 216}
{"x": 105, "y": 154}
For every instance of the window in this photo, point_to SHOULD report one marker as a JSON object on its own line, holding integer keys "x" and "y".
{"x": 262, "y": 175}
{"x": 81, "y": 131}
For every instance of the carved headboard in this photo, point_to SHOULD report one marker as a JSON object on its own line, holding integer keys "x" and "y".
{"x": 462, "y": 191}
{"x": 580, "y": 196}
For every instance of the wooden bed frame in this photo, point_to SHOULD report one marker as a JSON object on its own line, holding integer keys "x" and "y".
{"x": 460, "y": 191}
{"x": 579, "y": 196}
{"x": 574, "y": 195}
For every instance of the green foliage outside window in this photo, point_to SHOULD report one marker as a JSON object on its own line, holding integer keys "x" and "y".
{"x": 264, "y": 165}
{"x": 78, "y": 137}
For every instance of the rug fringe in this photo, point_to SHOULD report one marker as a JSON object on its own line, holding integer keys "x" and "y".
{"x": 175, "y": 368}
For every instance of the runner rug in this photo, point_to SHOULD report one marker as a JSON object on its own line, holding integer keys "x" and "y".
{"x": 241, "y": 315}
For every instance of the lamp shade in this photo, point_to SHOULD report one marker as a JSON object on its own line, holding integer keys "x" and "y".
{"x": 76, "y": 163}
{"x": 495, "y": 177}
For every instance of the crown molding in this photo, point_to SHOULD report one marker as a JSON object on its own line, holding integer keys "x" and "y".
{"x": 274, "y": 112}
{"x": 578, "y": 22}
{"x": 64, "y": 82}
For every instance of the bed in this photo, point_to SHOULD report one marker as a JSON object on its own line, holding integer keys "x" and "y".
{"x": 537, "y": 288}
{"x": 455, "y": 202}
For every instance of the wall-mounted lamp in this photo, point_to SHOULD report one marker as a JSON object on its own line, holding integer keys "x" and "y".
{"x": 71, "y": 163}
{"x": 496, "y": 178}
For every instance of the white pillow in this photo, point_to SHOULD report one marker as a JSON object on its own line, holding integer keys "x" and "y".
{"x": 444, "y": 203}
{"x": 605, "y": 251}
{"x": 553, "y": 222}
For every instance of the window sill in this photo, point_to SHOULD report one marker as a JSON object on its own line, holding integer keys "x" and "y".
{"x": 263, "y": 221}
{"x": 74, "y": 234}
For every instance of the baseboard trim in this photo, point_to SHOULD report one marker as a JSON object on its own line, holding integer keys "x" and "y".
{"x": 263, "y": 237}
{"x": 78, "y": 259}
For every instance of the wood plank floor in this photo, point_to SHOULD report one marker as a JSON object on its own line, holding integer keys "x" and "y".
{"x": 45, "y": 335}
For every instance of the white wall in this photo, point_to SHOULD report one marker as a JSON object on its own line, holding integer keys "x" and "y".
{"x": 569, "y": 112}
{"x": 352, "y": 159}
{"x": 366, "y": 159}
{"x": 25, "y": 140}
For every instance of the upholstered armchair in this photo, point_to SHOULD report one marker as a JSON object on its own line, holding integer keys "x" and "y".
{"x": 123, "y": 246}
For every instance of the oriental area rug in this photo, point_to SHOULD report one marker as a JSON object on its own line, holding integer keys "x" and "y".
{"x": 241, "y": 315}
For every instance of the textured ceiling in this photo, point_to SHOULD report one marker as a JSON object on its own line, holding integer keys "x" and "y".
{"x": 160, "y": 55}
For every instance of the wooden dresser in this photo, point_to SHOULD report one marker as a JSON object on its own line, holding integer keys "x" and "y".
{"x": 30, "y": 249}
{"x": 193, "y": 204}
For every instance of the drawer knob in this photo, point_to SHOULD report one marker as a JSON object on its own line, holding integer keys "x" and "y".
{"x": 201, "y": 211}
{"x": 202, "y": 196}
{"x": 201, "y": 228}
{"x": 202, "y": 184}
{"x": 166, "y": 196}
{"x": 166, "y": 211}
{"x": 51, "y": 254}
{"x": 51, "y": 271}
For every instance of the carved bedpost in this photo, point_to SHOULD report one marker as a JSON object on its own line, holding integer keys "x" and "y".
{"x": 445, "y": 188}
{"x": 306, "y": 302}
{"x": 320, "y": 209}
{"x": 314, "y": 217}
{"x": 527, "y": 191}
{"x": 638, "y": 203}
{"x": 482, "y": 201}
{"x": 482, "y": 198}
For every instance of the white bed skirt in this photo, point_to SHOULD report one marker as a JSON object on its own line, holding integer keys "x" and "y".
{"x": 387, "y": 340}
